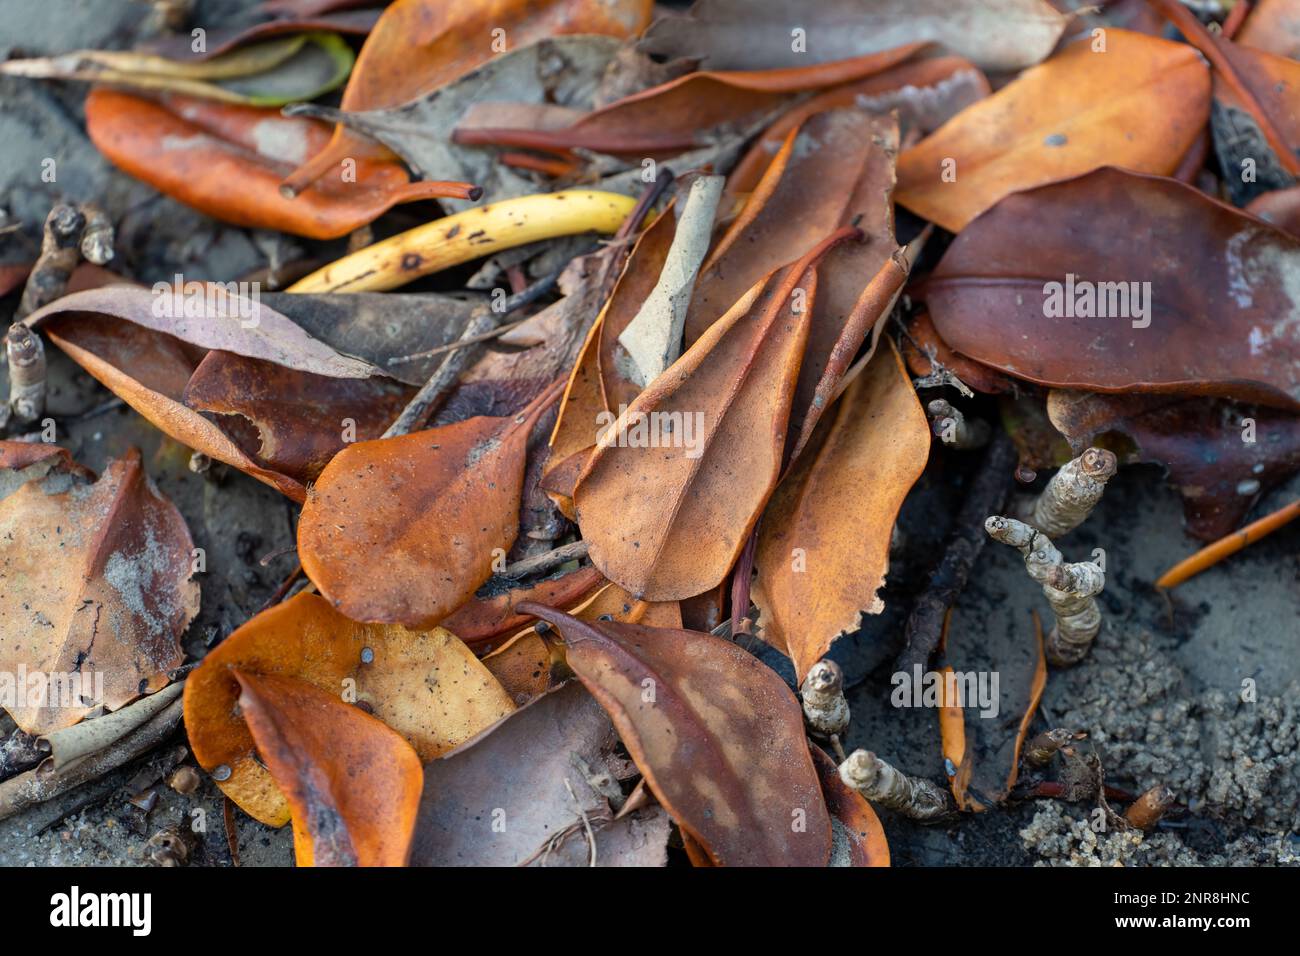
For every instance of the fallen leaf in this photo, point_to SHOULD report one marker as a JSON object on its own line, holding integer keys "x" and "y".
{"x": 1139, "y": 104}
{"x": 502, "y": 799}
{"x": 259, "y": 24}
{"x": 553, "y": 73}
{"x": 983, "y": 736}
{"x": 718, "y": 736}
{"x": 482, "y": 620}
{"x": 211, "y": 315}
{"x": 426, "y": 685}
{"x": 1272, "y": 26}
{"x": 269, "y": 73}
{"x": 689, "y": 113}
{"x": 193, "y": 150}
{"x": 352, "y": 783}
{"x": 1199, "y": 441}
{"x": 823, "y": 546}
{"x": 97, "y": 582}
{"x": 926, "y": 92}
{"x": 1215, "y": 282}
{"x": 421, "y": 45}
{"x": 699, "y": 495}
{"x": 404, "y": 530}
{"x": 756, "y": 34}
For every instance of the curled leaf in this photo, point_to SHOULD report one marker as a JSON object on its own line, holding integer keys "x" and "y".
{"x": 426, "y": 685}
{"x": 193, "y": 150}
{"x": 353, "y": 784}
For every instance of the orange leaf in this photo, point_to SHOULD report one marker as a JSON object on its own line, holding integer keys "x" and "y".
{"x": 353, "y": 785}
{"x": 823, "y": 547}
{"x": 96, "y": 581}
{"x": 1139, "y": 104}
{"x": 403, "y": 530}
{"x": 717, "y": 734}
{"x": 698, "y": 497}
{"x": 427, "y": 686}
{"x": 193, "y": 149}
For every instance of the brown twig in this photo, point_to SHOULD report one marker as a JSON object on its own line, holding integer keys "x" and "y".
{"x": 539, "y": 563}
{"x": 987, "y": 492}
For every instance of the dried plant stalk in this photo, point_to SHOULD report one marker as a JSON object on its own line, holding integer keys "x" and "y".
{"x": 876, "y": 780}
{"x": 1073, "y": 492}
{"x": 1070, "y": 589}
{"x": 951, "y": 427}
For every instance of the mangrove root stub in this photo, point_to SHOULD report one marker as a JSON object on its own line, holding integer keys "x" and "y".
{"x": 60, "y": 253}
{"x": 26, "y": 354}
{"x": 914, "y": 797}
{"x": 97, "y": 237}
{"x": 1147, "y": 810}
{"x": 1070, "y": 589}
{"x": 951, "y": 427}
{"x": 825, "y": 710}
{"x": 1073, "y": 492}
{"x": 1040, "y": 750}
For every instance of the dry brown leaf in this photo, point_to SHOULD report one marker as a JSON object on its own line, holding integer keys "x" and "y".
{"x": 404, "y": 530}
{"x": 718, "y": 736}
{"x": 353, "y": 784}
{"x": 98, "y": 588}
{"x": 699, "y": 495}
{"x": 1139, "y": 104}
{"x": 823, "y": 546}
{"x": 426, "y": 685}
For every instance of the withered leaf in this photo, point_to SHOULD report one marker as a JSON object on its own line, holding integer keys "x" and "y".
{"x": 353, "y": 784}
{"x": 97, "y": 585}
{"x": 823, "y": 547}
{"x": 502, "y": 800}
{"x": 699, "y": 494}
{"x": 426, "y": 685}
{"x": 403, "y": 530}
{"x": 149, "y": 371}
{"x": 211, "y": 315}
{"x": 718, "y": 736}
{"x": 983, "y": 737}
{"x": 192, "y": 150}
{"x": 1199, "y": 441}
{"x": 421, "y": 45}
{"x": 755, "y": 34}
{"x": 1199, "y": 298}
{"x": 1137, "y": 101}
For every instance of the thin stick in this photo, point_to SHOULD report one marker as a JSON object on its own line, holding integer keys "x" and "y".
{"x": 988, "y": 490}
{"x": 432, "y": 392}
{"x": 573, "y": 551}
{"x": 1212, "y": 554}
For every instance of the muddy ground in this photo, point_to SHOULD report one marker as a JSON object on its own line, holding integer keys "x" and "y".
{"x": 1160, "y": 695}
